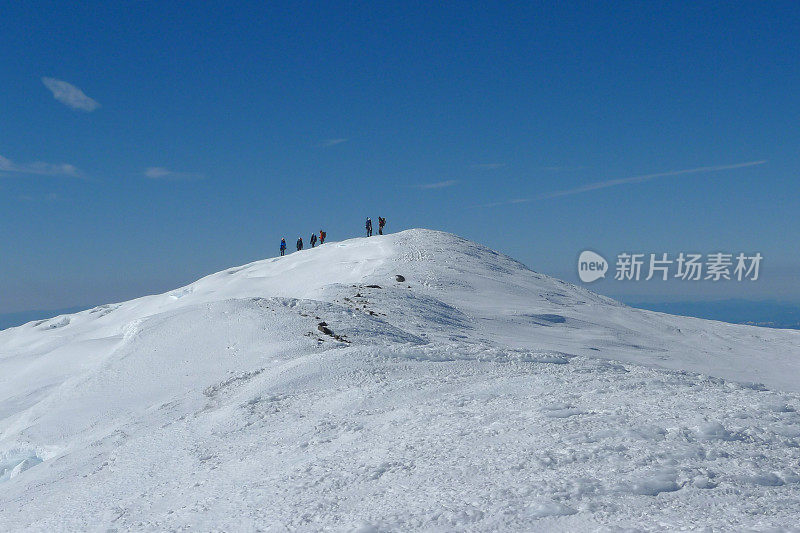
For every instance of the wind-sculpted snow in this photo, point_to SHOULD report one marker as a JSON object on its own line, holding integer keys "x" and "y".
{"x": 315, "y": 391}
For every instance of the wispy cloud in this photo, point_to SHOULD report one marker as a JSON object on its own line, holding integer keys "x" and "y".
{"x": 488, "y": 166}
{"x": 161, "y": 173}
{"x": 69, "y": 95}
{"x": 624, "y": 181}
{"x": 437, "y": 185}
{"x": 559, "y": 168}
{"x": 39, "y": 168}
{"x": 333, "y": 142}
{"x": 47, "y": 198}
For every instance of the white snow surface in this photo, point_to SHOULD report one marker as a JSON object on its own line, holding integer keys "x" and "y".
{"x": 477, "y": 395}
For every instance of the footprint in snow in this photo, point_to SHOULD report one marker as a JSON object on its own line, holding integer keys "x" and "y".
{"x": 548, "y": 358}
{"x": 544, "y": 509}
{"x": 560, "y": 410}
{"x": 651, "y": 484}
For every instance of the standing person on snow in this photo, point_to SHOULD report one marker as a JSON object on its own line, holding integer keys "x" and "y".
{"x": 322, "y": 236}
{"x": 369, "y": 227}
{"x": 313, "y": 239}
{"x": 283, "y": 246}
{"x": 299, "y": 243}
{"x": 381, "y": 224}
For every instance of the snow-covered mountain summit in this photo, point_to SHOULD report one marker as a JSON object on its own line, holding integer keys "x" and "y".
{"x": 317, "y": 391}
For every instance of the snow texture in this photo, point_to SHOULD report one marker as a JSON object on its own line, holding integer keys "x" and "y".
{"x": 473, "y": 395}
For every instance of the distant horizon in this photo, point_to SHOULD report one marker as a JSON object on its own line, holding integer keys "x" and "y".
{"x": 784, "y": 312}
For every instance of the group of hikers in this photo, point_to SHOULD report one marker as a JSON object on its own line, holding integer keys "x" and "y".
{"x": 322, "y": 235}
{"x": 381, "y": 224}
{"x": 313, "y": 241}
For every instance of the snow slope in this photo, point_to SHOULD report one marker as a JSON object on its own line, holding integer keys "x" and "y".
{"x": 475, "y": 395}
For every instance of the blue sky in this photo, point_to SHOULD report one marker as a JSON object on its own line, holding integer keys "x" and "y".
{"x": 145, "y": 144}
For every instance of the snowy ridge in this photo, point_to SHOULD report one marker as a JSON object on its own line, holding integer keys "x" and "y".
{"x": 476, "y": 394}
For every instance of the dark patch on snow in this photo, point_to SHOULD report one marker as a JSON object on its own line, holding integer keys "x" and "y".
{"x": 554, "y": 319}
{"x": 754, "y": 386}
{"x": 324, "y": 329}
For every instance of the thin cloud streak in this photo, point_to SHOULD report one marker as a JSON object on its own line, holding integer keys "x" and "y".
{"x": 47, "y": 198}
{"x": 623, "y": 181}
{"x": 39, "y": 168}
{"x": 69, "y": 95}
{"x": 488, "y": 166}
{"x": 556, "y": 168}
{"x": 161, "y": 173}
{"x": 437, "y": 185}
{"x": 333, "y": 142}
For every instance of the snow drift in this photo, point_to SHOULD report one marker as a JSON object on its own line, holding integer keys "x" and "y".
{"x": 315, "y": 391}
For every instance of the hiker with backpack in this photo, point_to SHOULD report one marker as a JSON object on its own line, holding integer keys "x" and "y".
{"x": 313, "y": 239}
{"x": 299, "y": 243}
{"x": 283, "y": 246}
{"x": 322, "y": 236}
{"x": 381, "y": 224}
{"x": 369, "y": 227}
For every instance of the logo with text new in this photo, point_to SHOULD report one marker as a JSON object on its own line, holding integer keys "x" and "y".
{"x": 591, "y": 266}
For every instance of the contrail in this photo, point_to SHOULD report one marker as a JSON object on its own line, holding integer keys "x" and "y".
{"x": 623, "y": 181}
